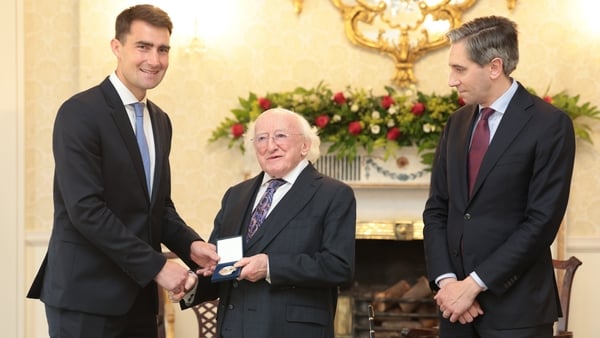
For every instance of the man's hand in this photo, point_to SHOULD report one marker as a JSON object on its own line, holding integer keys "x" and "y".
{"x": 456, "y": 299}
{"x": 205, "y": 255}
{"x": 190, "y": 283}
{"x": 253, "y": 268}
{"x": 175, "y": 279}
{"x": 469, "y": 315}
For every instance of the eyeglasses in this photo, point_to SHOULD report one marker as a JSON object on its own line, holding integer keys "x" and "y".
{"x": 278, "y": 137}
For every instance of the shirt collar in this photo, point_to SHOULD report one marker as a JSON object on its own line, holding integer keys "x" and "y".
{"x": 502, "y": 102}
{"x": 289, "y": 177}
{"x": 125, "y": 94}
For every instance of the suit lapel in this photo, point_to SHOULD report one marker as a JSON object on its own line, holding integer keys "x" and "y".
{"x": 292, "y": 203}
{"x": 123, "y": 124}
{"x": 159, "y": 145}
{"x": 464, "y": 141}
{"x": 237, "y": 218}
{"x": 514, "y": 120}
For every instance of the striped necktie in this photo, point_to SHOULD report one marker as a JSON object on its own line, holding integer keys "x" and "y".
{"x": 262, "y": 208}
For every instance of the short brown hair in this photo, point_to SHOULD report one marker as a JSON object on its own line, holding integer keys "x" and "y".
{"x": 147, "y": 13}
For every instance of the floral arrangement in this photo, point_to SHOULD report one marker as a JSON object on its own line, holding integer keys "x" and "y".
{"x": 357, "y": 118}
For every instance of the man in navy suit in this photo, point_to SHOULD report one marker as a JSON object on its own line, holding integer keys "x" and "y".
{"x": 295, "y": 262}
{"x": 99, "y": 278}
{"x": 487, "y": 243}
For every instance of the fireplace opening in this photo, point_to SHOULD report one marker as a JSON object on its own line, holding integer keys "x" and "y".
{"x": 390, "y": 275}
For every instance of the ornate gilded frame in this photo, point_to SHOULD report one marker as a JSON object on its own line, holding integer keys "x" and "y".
{"x": 412, "y": 40}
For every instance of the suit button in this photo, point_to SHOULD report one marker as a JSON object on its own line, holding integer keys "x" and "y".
{"x": 455, "y": 253}
{"x": 467, "y": 216}
{"x": 234, "y": 284}
{"x": 230, "y": 307}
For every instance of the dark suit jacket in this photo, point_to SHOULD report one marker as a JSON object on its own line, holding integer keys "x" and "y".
{"x": 309, "y": 238}
{"x": 106, "y": 237}
{"x": 507, "y": 227}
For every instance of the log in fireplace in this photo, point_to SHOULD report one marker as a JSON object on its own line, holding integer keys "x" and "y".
{"x": 389, "y": 276}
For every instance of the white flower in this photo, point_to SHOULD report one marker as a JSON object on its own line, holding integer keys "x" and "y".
{"x": 392, "y": 110}
{"x": 354, "y": 108}
{"x": 391, "y": 123}
{"x": 336, "y": 118}
{"x": 375, "y": 115}
{"x": 298, "y": 98}
{"x": 428, "y": 128}
{"x": 375, "y": 129}
{"x": 411, "y": 91}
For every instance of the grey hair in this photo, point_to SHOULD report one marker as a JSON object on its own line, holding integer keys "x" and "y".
{"x": 306, "y": 130}
{"x": 487, "y": 38}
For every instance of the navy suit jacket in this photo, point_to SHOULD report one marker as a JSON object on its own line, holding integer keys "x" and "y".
{"x": 107, "y": 233}
{"x": 505, "y": 230}
{"x": 309, "y": 237}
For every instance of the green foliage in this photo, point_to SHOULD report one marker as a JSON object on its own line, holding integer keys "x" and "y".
{"x": 356, "y": 118}
{"x": 570, "y": 104}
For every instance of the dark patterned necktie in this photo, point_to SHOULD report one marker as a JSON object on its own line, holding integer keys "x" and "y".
{"x": 138, "y": 107}
{"x": 479, "y": 145}
{"x": 262, "y": 208}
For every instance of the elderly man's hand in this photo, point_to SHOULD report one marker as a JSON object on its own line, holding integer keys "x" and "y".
{"x": 254, "y": 268}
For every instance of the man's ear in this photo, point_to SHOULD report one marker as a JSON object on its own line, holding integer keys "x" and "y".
{"x": 115, "y": 46}
{"x": 305, "y": 147}
{"x": 496, "y": 68}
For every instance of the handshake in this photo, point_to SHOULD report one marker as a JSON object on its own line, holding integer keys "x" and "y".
{"x": 178, "y": 280}
{"x": 189, "y": 284}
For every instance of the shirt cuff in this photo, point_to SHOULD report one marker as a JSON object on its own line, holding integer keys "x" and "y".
{"x": 478, "y": 280}
{"x": 268, "y": 277}
{"x": 444, "y": 276}
{"x": 188, "y": 299}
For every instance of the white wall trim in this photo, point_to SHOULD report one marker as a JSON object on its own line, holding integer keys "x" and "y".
{"x": 583, "y": 244}
{"x": 37, "y": 238}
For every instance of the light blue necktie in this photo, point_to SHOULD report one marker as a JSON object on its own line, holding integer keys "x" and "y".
{"x": 138, "y": 107}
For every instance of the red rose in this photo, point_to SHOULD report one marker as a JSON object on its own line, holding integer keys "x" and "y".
{"x": 461, "y": 101}
{"x": 264, "y": 103}
{"x": 418, "y": 109}
{"x": 339, "y": 98}
{"x": 237, "y": 130}
{"x": 548, "y": 99}
{"x": 354, "y": 128}
{"x": 321, "y": 121}
{"x": 387, "y": 101}
{"x": 393, "y": 133}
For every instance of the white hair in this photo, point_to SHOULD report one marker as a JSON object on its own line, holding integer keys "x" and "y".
{"x": 306, "y": 129}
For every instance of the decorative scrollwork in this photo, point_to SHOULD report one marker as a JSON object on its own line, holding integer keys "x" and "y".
{"x": 298, "y": 6}
{"x": 403, "y": 29}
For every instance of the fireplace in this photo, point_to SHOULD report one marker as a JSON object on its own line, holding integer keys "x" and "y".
{"x": 390, "y": 261}
{"x": 390, "y": 276}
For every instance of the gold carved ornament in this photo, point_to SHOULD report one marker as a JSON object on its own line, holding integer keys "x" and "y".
{"x": 403, "y": 29}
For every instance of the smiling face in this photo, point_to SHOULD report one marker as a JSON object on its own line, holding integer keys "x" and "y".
{"x": 143, "y": 57}
{"x": 472, "y": 81}
{"x": 278, "y": 142}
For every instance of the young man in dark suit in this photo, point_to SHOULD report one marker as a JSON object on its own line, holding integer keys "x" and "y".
{"x": 112, "y": 198}
{"x": 294, "y": 262}
{"x": 499, "y": 189}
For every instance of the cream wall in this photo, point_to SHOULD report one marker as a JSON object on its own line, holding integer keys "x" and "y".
{"x": 270, "y": 48}
{"x": 11, "y": 169}
{"x": 264, "y": 46}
